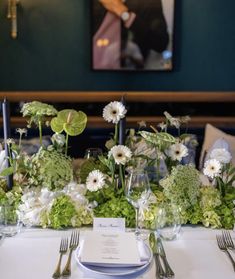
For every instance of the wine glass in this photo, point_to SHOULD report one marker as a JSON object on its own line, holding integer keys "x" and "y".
{"x": 137, "y": 191}
{"x": 93, "y": 153}
{"x": 168, "y": 220}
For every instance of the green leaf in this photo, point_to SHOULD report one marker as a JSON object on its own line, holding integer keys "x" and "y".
{"x": 70, "y": 121}
{"x": 157, "y": 138}
{"x": 7, "y": 171}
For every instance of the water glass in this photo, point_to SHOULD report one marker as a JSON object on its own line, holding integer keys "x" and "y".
{"x": 168, "y": 221}
{"x": 10, "y": 224}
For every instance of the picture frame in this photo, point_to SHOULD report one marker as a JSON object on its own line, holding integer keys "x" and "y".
{"x": 140, "y": 39}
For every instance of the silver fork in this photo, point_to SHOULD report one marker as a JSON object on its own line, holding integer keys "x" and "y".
{"x": 63, "y": 249}
{"x": 74, "y": 241}
{"x": 223, "y": 248}
{"x": 228, "y": 240}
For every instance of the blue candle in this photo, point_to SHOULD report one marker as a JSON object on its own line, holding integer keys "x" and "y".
{"x": 122, "y": 126}
{"x": 6, "y": 131}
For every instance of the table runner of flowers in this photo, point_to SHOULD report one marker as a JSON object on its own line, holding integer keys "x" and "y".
{"x": 49, "y": 191}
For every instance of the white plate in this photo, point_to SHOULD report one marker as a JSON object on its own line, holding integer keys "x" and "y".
{"x": 115, "y": 271}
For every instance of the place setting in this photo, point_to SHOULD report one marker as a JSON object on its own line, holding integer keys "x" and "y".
{"x": 225, "y": 244}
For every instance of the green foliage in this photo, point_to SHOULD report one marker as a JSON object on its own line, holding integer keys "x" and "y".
{"x": 70, "y": 121}
{"x": 161, "y": 139}
{"x": 50, "y": 168}
{"x": 62, "y": 212}
{"x": 182, "y": 186}
{"x": 37, "y": 111}
{"x": 226, "y": 209}
{"x": 117, "y": 208}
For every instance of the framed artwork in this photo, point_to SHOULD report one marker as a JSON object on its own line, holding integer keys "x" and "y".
{"x": 132, "y": 35}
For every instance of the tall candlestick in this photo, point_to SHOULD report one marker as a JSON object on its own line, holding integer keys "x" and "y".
{"x": 122, "y": 126}
{"x": 6, "y": 131}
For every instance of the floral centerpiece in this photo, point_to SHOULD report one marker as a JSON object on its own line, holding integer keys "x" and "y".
{"x": 49, "y": 192}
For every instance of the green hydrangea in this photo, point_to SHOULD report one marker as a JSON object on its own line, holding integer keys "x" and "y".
{"x": 62, "y": 212}
{"x": 209, "y": 197}
{"x": 182, "y": 185}
{"x": 117, "y": 208}
{"x": 50, "y": 168}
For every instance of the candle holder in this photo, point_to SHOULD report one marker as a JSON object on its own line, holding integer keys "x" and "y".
{"x": 12, "y": 14}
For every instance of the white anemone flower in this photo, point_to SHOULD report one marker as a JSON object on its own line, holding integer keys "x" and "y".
{"x": 95, "y": 180}
{"x": 212, "y": 168}
{"x": 114, "y": 111}
{"x": 121, "y": 154}
{"x": 177, "y": 151}
{"x": 221, "y": 154}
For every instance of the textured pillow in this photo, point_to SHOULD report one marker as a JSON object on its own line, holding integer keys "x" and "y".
{"x": 212, "y": 134}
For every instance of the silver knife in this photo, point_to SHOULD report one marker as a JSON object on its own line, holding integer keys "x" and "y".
{"x": 160, "y": 273}
{"x": 169, "y": 272}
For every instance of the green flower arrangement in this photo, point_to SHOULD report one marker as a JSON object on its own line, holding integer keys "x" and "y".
{"x": 53, "y": 195}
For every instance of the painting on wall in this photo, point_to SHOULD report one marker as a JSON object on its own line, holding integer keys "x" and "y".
{"x": 132, "y": 35}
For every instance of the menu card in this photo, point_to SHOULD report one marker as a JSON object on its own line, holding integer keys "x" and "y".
{"x": 110, "y": 249}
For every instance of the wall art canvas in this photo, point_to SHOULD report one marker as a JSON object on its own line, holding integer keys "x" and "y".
{"x": 132, "y": 35}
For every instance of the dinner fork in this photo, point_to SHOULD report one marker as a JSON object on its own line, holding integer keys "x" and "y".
{"x": 228, "y": 240}
{"x": 223, "y": 248}
{"x": 74, "y": 241}
{"x": 63, "y": 249}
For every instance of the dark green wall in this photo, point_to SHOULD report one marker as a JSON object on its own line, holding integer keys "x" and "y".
{"x": 52, "y": 51}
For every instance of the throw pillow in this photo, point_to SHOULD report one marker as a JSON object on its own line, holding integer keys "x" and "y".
{"x": 212, "y": 134}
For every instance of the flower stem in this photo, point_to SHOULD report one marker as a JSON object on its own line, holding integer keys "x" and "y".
{"x": 66, "y": 143}
{"x": 40, "y": 131}
{"x": 116, "y": 134}
{"x": 121, "y": 174}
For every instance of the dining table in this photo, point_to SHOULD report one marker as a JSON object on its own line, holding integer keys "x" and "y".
{"x": 34, "y": 252}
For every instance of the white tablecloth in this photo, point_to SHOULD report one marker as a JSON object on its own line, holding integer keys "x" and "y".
{"x": 33, "y": 254}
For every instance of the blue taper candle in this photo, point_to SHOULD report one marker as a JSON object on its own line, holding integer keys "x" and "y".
{"x": 122, "y": 126}
{"x": 6, "y": 131}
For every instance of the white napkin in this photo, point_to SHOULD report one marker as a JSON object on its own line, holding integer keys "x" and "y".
{"x": 144, "y": 252}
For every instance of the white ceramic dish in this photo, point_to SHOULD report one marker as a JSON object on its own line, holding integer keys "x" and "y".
{"x": 115, "y": 271}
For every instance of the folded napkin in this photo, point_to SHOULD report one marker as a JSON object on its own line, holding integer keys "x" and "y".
{"x": 143, "y": 249}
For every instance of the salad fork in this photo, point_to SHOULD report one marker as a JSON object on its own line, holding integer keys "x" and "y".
{"x": 228, "y": 240}
{"x": 63, "y": 249}
{"x": 223, "y": 248}
{"x": 74, "y": 241}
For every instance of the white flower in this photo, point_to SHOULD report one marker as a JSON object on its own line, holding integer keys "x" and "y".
{"x": 10, "y": 141}
{"x": 95, "y": 180}
{"x": 3, "y": 162}
{"x": 173, "y": 120}
{"x": 21, "y": 131}
{"x": 121, "y": 154}
{"x": 177, "y": 151}
{"x": 221, "y": 155}
{"x": 212, "y": 168}
{"x": 114, "y": 111}
{"x": 58, "y": 139}
{"x": 162, "y": 125}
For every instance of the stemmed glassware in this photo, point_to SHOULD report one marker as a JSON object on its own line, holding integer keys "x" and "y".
{"x": 137, "y": 191}
{"x": 168, "y": 221}
{"x": 93, "y": 153}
